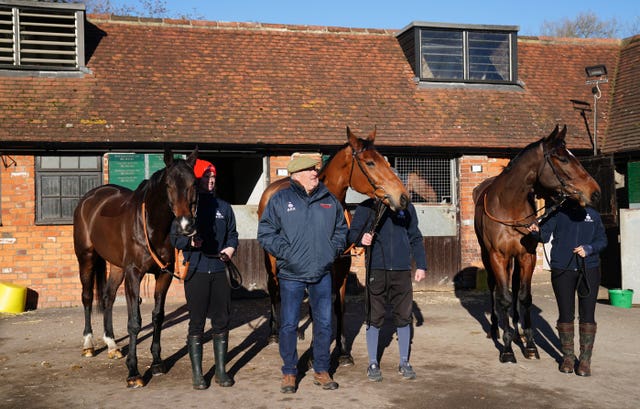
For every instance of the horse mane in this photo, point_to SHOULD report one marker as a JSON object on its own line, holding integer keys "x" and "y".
{"x": 526, "y": 149}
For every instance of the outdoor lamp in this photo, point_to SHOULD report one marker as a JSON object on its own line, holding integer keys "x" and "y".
{"x": 596, "y": 70}
{"x": 598, "y": 73}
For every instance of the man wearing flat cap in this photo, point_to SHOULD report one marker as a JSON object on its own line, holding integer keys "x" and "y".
{"x": 304, "y": 227}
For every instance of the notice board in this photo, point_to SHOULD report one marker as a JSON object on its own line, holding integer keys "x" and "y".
{"x": 130, "y": 169}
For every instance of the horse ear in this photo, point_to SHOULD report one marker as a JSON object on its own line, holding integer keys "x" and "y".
{"x": 191, "y": 159}
{"x": 355, "y": 142}
{"x": 372, "y": 135}
{"x": 168, "y": 157}
{"x": 562, "y": 133}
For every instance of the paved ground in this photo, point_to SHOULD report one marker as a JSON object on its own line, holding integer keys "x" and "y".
{"x": 457, "y": 366}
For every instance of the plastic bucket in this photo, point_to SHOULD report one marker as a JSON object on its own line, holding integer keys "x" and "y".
{"x": 620, "y": 298}
{"x": 12, "y": 298}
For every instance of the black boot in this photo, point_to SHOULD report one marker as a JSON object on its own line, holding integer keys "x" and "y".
{"x": 587, "y": 337}
{"x": 220, "y": 346}
{"x": 194, "y": 345}
{"x": 565, "y": 332}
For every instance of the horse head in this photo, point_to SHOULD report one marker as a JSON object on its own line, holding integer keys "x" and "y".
{"x": 181, "y": 190}
{"x": 368, "y": 172}
{"x": 562, "y": 174}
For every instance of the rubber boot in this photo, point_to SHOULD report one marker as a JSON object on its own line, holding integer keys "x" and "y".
{"x": 565, "y": 332}
{"x": 194, "y": 345}
{"x": 587, "y": 337}
{"x": 220, "y": 346}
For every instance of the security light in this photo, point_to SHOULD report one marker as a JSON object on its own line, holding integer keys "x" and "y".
{"x": 596, "y": 70}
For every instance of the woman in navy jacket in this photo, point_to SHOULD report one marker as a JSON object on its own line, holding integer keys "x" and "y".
{"x": 206, "y": 285}
{"x": 578, "y": 238}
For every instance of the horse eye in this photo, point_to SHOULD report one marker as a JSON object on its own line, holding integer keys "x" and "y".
{"x": 370, "y": 163}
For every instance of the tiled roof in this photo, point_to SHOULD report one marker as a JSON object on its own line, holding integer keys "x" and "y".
{"x": 624, "y": 125}
{"x": 156, "y": 80}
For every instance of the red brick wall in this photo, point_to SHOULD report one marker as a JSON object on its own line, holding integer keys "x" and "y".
{"x": 470, "y": 252}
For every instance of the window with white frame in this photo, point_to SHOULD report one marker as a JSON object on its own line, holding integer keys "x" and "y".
{"x": 60, "y": 183}
{"x": 41, "y": 36}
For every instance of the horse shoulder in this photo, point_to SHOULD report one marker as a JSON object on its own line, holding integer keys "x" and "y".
{"x": 272, "y": 189}
{"x": 479, "y": 190}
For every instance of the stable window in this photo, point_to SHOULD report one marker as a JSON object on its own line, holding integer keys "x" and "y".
{"x": 429, "y": 180}
{"x": 41, "y": 36}
{"x": 60, "y": 182}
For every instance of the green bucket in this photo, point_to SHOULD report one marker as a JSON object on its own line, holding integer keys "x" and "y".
{"x": 620, "y": 298}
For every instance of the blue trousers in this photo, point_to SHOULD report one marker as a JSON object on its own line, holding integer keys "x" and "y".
{"x": 291, "y": 296}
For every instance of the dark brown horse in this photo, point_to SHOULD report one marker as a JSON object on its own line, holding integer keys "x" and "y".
{"x": 357, "y": 165}
{"x": 503, "y": 210}
{"x": 130, "y": 230}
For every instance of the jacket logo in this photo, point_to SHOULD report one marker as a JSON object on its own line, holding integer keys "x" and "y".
{"x": 290, "y": 207}
{"x": 219, "y": 215}
{"x": 588, "y": 219}
{"x": 325, "y": 205}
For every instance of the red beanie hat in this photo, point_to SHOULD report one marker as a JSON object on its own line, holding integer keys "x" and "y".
{"x": 202, "y": 166}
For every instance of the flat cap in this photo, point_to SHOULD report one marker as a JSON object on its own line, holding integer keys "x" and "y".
{"x": 301, "y": 162}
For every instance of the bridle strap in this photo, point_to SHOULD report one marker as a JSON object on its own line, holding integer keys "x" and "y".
{"x": 355, "y": 159}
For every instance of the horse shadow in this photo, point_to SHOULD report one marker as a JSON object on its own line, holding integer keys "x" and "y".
{"x": 478, "y": 305}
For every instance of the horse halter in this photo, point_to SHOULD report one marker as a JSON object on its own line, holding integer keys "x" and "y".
{"x": 355, "y": 159}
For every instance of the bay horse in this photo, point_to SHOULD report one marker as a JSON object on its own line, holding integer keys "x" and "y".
{"x": 504, "y": 210}
{"x": 357, "y": 165}
{"x": 130, "y": 230}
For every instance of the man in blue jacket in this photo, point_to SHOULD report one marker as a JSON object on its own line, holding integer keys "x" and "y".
{"x": 393, "y": 243}
{"x": 305, "y": 229}
{"x": 578, "y": 238}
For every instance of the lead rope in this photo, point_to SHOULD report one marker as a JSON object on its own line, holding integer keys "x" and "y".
{"x": 379, "y": 212}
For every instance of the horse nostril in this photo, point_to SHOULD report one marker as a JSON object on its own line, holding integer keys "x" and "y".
{"x": 404, "y": 201}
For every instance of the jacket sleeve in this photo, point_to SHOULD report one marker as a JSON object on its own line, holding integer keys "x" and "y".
{"x": 232, "y": 232}
{"x": 269, "y": 232}
{"x": 599, "y": 241}
{"x": 416, "y": 240}
{"x": 339, "y": 238}
{"x": 547, "y": 228}
{"x": 358, "y": 224}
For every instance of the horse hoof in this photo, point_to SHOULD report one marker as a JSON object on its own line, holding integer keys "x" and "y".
{"x": 273, "y": 339}
{"x": 88, "y": 352}
{"x": 507, "y": 357}
{"x": 346, "y": 360}
{"x": 158, "y": 369}
{"x": 115, "y": 354}
{"x": 531, "y": 352}
{"x": 135, "y": 382}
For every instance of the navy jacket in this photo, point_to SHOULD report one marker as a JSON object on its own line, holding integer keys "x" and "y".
{"x": 572, "y": 227}
{"x": 397, "y": 239}
{"x": 304, "y": 232}
{"x": 216, "y": 226}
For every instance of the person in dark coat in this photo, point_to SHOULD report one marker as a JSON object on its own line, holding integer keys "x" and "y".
{"x": 206, "y": 286}
{"x": 304, "y": 228}
{"x": 578, "y": 238}
{"x": 395, "y": 241}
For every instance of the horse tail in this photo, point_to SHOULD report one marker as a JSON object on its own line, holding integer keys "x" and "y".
{"x": 101, "y": 284}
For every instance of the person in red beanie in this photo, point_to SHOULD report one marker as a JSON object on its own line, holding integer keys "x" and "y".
{"x": 206, "y": 285}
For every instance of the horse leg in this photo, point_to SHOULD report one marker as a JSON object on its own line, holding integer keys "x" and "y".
{"x": 87, "y": 278}
{"x": 134, "y": 324}
{"x": 116, "y": 277}
{"x": 342, "y": 270}
{"x": 503, "y": 303}
{"x": 163, "y": 281}
{"x": 274, "y": 297}
{"x": 525, "y": 300}
{"x": 491, "y": 285}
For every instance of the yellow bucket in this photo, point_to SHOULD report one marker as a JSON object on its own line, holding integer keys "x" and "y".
{"x": 13, "y": 298}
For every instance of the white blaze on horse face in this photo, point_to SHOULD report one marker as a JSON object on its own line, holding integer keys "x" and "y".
{"x": 184, "y": 223}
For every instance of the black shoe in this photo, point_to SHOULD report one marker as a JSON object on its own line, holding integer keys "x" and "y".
{"x": 373, "y": 373}
{"x": 406, "y": 371}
